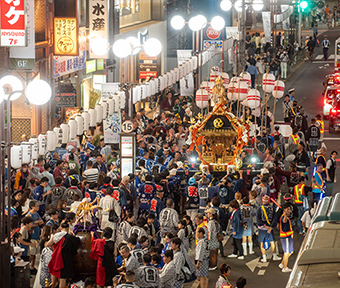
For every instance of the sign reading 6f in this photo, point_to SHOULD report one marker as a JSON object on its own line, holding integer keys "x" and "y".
{"x": 127, "y": 126}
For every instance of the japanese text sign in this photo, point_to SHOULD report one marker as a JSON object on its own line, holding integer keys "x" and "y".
{"x": 13, "y": 23}
{"x": 99, "y": 22}
{"x": 65, "y": 36}
{"x": 64, "y": 65}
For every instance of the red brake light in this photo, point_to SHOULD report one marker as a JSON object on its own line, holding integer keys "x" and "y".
{"x": 333, "y": 111}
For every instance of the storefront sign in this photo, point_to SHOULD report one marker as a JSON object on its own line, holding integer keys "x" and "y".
{"x": 64, "y": 65}
{"x": 218, "y": 44}
{"x": 212, "y": 34}
{"x": 147, "y": 66}
{"x": 111, "y": 126}
{"x": 24, "y": 57}
{"x": 66, "y": 36}
{"x": 91, "y": 66}
{"x": 13, "y": 23}
{"x": 99, "y": 20}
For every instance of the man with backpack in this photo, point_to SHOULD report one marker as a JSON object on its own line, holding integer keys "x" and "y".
{"x": 248, "y": 214}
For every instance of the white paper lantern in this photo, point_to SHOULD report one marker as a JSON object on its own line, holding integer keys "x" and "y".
{"x": 73, "y": 129}
{"x": 93, "y": 117}
{"x": 35, "y": 148}
{"x": 59, "y": 134}
{"x": 279, "y": 89}
{"x": 16, "y": 156}
{"x": 87, "y": 118}
{"x": 111, "y": 106}
{"x": 105, "y": 113}
{"x": 204, "y": 85}
{"x": 99, "y": 110}
{"x": 253, "y": 98}
{"x": 214, "y": 69}
{"x": 66, "y": 132}
{"x": 26, "y": 152}
{"x": 121, "y": 97}
{"x": 51, "y": 141}
{"x": 213, "y": 76}
{"x": 80, "y": 124}
{"x": 231, "y": 89}
{"x": 245, "y": 76}
{"x": 268, "y": 82}
{"x": 148, "y": 90}
{"x": 202, "y": 98}
{"x": 225, "y": 77}
{"x": 42, "y": 139}
{"x": 241, "y": 90}
{"x": 144, "y": 91}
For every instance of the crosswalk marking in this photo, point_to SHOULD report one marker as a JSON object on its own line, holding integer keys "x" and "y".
{"x": 319, "y": 57}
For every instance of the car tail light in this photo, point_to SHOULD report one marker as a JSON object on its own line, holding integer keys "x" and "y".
{"x": 333, "y": 111}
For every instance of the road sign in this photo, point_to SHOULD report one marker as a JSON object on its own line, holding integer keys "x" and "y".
{"x": 127, "y": 126}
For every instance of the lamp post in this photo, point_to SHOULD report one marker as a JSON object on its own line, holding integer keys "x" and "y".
{"x": 38, "y": 92}
{"x": 127, "y": 48}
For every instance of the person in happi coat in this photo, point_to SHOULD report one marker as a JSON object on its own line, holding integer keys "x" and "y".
{"x": 65, "y": 247}
{"x": 102, "y": 250}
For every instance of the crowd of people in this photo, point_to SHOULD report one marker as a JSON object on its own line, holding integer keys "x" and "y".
{"x": 165, "y": 224}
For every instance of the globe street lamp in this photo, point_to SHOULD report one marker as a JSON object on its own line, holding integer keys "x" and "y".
{"x": 130, "y": 46}
{"x": 38, "y": 92}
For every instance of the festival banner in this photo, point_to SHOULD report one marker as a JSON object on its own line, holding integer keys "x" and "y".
{"x": 112, "y": 128}
{"x": 266, "y": 25}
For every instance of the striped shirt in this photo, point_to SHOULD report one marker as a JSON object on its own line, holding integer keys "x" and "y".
{"x": 91, "y": 175}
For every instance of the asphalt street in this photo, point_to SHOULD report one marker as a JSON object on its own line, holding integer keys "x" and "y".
{"x": 307, "y": 81}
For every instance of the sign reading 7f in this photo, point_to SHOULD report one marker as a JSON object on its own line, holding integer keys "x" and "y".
{"x": 13, "y": 22}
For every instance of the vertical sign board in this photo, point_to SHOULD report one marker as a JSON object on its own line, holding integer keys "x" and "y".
{"x": 13, "y": 23}
{"x": 212, "y": 37}
{"x": 66, "y": 36}
{"x": 127, "y": 154}
{"x": 147, "y": 66}
{"x": 98, "y": 26}
{"x": 111, "y": 126}
{"x": 24, "y": 57}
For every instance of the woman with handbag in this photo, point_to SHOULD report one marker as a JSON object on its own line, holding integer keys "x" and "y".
{"x": 213, "y": 232}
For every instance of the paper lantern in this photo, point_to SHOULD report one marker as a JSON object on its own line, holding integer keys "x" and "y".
{"x": 73, "y": 129}
{"x": 246, "y": 77}
{"x": 121, "y": 97}
{"x": 268, "y": 82}
{"x": 35, "y": 148}
{"x": 241, "y": 90}
{"x": 80, "y": 124}
{"x": 59, "y": 136}
{"x": 99, "y": 110}
{"x": 26, "y": 152}
{"x": 231, "y": 89}
{"x": 86, "y": 117}
{"x": 66, "y": 131}
{"x": 144, "y": 92}
{"x": 51, "y": 141}
{"x": 213, "y": 76}
{"x": 253, "y": 98}
{"x": 110, "y": 106}
{"x": 204, "y": 85}
{"x": 42, "y": 140}
{"x": 16, "y": 156}
{"x": 104, "y": 105}
{"x": 202, "y": 98}
{"x": 279, "y": 89}
{"x": 148, "y": 90}
{"x": 225, "y": 77}
{"x": 93, "y": 117}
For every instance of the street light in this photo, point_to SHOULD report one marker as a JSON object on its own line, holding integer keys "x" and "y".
{"x": 226, "y": 5}
{"x": 217, "y": 23}
{"x": 258, "y": 5}
{"x": 130, "y": 46}
{"x": 177, "y": 22}
{"x": 38, "y": 92}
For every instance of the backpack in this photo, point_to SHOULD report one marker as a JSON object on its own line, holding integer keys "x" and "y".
{"x": 246, "y": 212}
